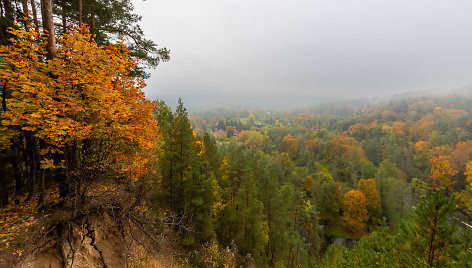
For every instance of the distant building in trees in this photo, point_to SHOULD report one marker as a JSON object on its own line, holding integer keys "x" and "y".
{"x": 220, "y": 133}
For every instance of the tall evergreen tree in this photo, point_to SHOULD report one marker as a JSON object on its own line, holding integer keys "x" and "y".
{"x": 433, "y": 237}
{"x": 188, "y": 170}
{"x": 242, "y": 219}
{"x": 109, "y": 20}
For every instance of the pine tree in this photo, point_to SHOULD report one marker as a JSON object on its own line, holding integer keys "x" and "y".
{"x": 188, "y": 170}
{"x": 251, "y": 236}
{"x": 242, "y": 219}
{"x": 167, "y": 156}
{"x": 109, "y": 20}
{"x": 202, "y": 192}
{"x": 378, "y": 249}
{"x": 433, "y": 239}
{"x": 271, "y": 197}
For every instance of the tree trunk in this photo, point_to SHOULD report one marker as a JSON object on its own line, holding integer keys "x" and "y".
{"x": 3, "y": 192}
{"x": 17, "y": 173}
{"x": 42, "y": 185}
{"x": 4, "y": 97}
{"x": 24, "y": 4}
{"x": 92, "y": 16}
{"x": 32, "y": 156}
{"x": 61, "y": 176}
{"x": 42, "y": 175}
{"x": 8, "y": 9}
{"x": 4, "y": 182}
{"x": 80, "y": 13}
{"x": 64, "y": 18}
{"x": 35, "y": 16}
{"x": 48, "y": 25}
{"x": 7, "y": 13}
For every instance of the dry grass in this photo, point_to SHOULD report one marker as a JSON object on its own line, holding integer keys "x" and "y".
{"x": 17, "y": 220}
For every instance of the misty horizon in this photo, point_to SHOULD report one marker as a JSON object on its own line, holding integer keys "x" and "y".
{"x": 198, "y": 103}
{"x": 305, "y": 52}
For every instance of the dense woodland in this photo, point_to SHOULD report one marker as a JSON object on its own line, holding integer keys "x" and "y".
{"x": 338, "y": 185}
{"x": 395, "y": 174}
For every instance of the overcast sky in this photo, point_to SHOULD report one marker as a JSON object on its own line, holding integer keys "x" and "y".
{"x": 307, "y": 50}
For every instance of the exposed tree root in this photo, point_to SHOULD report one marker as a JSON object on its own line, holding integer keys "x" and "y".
{"x": 91, "y": 234}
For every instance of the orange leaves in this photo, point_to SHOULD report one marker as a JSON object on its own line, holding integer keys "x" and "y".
{"x": 399, "y": 128}
{"x": 85, "y": 93}
{"x": 374, "y": 206}
{"x": 468, "y": 172}
{"x": 462, "y": 154}
{"x": 422, "y": 128}
{"x": 355, "y": 208}
{"x": 388, "y": 115}
{"x": 357, "y": 131}
{"x": 448, "y": 114}
{"x": 442, "y": 171}
{"x": 313, "y": 145}
{"x": 345, "y": 147}
{"x": 423, "y": 145}
{"x": 17, "y": 219}
{"x": 47, "y": 163}
{"x": 290, "y": 145}
{"x": 5, "y": 135}
{"x": 307, "y": 184}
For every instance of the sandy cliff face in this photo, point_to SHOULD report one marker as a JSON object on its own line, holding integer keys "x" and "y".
{"x": 88, "y": 242}
{"x": 106, "y": 230}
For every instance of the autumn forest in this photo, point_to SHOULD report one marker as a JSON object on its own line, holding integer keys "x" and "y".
{"x": 94, "y": 174}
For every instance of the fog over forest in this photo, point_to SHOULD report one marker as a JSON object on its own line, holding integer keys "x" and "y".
{"x": 288, "y": 54}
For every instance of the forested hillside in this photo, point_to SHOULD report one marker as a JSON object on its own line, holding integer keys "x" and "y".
{"x": 93, "y": 174}
{"x": 352, "y": 170}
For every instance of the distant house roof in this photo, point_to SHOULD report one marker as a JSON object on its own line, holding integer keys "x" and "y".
{"x": 220, "y": 133}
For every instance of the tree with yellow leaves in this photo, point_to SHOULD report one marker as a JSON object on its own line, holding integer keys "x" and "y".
{"x": 374, "y": 205}
{"x": 253, "y": 140}
{"x": 465, "y": 196}
{"x": 79, "y": 113}
{"x": 347, "y": 158}
{"x": 468, "y": 172}
{"x": 442, "y": 171}
{"x": 290, "y": 145}
{"x": 357, "y": 131}
{"x": 355, "y": 208}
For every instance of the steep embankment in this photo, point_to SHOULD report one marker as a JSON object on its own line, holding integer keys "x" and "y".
{"x": 103, "y": 230}
{"x": 88, "y": 241}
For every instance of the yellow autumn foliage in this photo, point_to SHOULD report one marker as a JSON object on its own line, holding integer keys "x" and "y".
{"x": 83, "y": 98}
